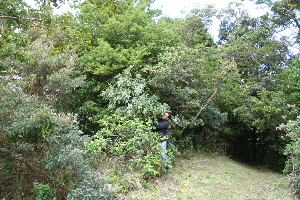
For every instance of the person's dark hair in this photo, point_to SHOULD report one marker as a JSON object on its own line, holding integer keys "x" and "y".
{"x": 170, "y": 115}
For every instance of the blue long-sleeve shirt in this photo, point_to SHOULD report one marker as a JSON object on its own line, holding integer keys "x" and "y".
{"x": 162, "y": 127}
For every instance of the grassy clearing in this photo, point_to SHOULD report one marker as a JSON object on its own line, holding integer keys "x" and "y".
{"x": 208, "y": 177}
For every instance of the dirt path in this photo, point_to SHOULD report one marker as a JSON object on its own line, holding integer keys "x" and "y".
{"x": 207, "y": 177}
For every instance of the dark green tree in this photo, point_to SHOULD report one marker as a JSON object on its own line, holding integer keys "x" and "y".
{"x": 260, "y": 105}
{"x": 117, "y": 35}
{"x": 285, "y": 14}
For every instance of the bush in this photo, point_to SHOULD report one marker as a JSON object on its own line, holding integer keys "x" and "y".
{"x": 133, "y": 146}
{"x": 292, "y": 167}
{"x": 92, "y": 187}
{"x": 39, "y": 145}
{"x": 43, "y": 192}
{"x": 127, "y": 135}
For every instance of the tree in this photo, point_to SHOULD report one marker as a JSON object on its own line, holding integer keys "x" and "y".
{"x": 259, "y": 105}
{"x": 42, "y": 150}
{"x": 54, "y": 3}
{"x": 194, "y": 32}
{"x": 13, "y": 16}
{"x": 53, "y": 69}
{"x": 127, "y": 132}
{"x": 118, "y": 36}
{"x": 188, "y": 80}
{"x": 285, "y": 14}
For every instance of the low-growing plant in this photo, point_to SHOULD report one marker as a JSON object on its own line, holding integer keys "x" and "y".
{"x": 93, "y": 187}
{"x": 132, "y": 142}
{"x": 43, "y": 192}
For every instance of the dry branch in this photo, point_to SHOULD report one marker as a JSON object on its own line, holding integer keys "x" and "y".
{"x": 25, "y": 161}
{"x": 203, "y": 107}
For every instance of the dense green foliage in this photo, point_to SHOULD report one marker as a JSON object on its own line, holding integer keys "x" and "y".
{"x": 43, "y": 148}
{"x": 292, "y": 151}
{"x": 78, "y": 92}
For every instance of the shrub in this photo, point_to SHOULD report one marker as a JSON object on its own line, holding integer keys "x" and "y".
{"x": 127, "y": 135}
{"x": 92, "y": 187}
{"x": 292, "y": 150}
{"x": 132, "y": 144}
{"x": 40, "y": 145}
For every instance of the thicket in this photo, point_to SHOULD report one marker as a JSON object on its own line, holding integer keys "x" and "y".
{"x": 292, "y": 151}
{"x": 43, "y": 152}
{"x": 78, "y": 92}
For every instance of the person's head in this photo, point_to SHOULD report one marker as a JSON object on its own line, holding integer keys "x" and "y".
{"x": 166, "y": 116}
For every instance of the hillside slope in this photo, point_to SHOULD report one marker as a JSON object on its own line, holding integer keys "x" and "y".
{"x": 209, "y": 177}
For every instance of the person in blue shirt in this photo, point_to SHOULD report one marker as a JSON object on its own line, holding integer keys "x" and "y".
{"x": 162, "y": 126}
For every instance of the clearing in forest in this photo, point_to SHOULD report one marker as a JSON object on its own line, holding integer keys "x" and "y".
{"x": 214, "y": 177}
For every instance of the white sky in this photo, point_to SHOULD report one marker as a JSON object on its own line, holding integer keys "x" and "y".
{"x": 174, "y": 8}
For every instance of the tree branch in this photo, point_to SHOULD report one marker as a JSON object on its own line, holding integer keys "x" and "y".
{"x": 23, "y": 160}
{"x": 20, "y": 18}
{"x": 203, "y": 107}
{"x": 35, "y": 168}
